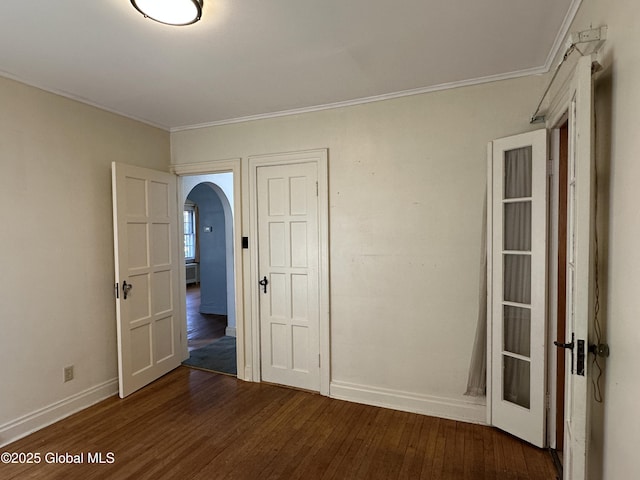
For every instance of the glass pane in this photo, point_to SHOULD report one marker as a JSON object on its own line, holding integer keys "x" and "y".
{"x": 517, "y": 330}
{"x": 189, "y": 246}
{"x": 516, "y": 381}
{"x": 188, "y": 221}
{"x": 517, "y": 172}
{"x": 517, "y": 226}
{"x": 517, "y": 278}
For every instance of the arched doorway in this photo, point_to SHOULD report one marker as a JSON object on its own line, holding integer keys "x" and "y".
{"x": 211, "y": 315}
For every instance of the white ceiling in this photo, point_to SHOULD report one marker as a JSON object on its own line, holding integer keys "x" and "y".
{"x": 252, "y": 58}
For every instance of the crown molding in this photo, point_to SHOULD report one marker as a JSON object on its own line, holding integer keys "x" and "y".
{"x": 562, "y": 33}
{"x": 375, "y": 98}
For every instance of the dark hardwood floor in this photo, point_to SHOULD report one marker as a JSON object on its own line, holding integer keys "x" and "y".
{"x": 202, "y": 328}
{"x": 192, "y": 424}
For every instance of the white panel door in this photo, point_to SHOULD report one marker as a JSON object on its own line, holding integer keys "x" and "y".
{"x": 579, "y": 272}
{"x": 288, "y": 267}
{"x": 518, "y": 300}
{"x": 147, "y": 271}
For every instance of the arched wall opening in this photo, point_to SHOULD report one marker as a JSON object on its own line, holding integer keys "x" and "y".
{"x": 212, "y": 194}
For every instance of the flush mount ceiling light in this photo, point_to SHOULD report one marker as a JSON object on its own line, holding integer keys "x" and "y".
{"x": 170, "y": 12}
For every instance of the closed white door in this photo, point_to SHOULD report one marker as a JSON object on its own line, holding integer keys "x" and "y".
{"x": 518, "y": 300}
{"x": 288, "y": 269}
{"x": 580, "y": 197}
{"x": 147, "y": 271}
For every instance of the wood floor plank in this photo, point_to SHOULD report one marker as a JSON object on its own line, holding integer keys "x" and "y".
{"x": 329, "y": 438}
{"x": 198, "y": 425}
{"x": 503, "y": 464}
{"x": 300, "y": 436}
{"x": 445, "y": 434}
{"x": 352, "y": 463}
{"x": 488, "y": 453}
{"x": 433, "y": 443}
{"x": 473, "y": 455}
{"x": 387, "y": 452}
{"x": 395, "y": 447}
{"x": 412, "y": 462}
{"x": 355, "y": 422}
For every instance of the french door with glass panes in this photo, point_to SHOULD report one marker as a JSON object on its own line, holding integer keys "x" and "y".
{"x": 518, "y": 196}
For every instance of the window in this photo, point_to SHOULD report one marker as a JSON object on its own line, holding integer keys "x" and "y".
{"x": 189, "y": 216}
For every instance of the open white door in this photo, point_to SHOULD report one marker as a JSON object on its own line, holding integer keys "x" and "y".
{"x": 580, "y": 226}
{"x": 518, "y": 301}
{"x": 147, "y": 275}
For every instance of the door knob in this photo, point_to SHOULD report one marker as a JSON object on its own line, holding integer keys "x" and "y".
{"x": 264, "y": 282}
{"x": 569, "y": 346}
{"x": 564, "y": 345}
{"x": 126, "y": 288}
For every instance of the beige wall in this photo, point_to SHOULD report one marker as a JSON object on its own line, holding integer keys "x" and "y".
{"x": 56, "y": 280}
{"x": 406, "y": 188}
{"x": 615, "y": 439}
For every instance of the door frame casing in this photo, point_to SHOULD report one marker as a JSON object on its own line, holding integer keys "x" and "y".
{"x": 558, "y": 112}
{"x": 233, "y": 166}
{"x": 320, "y": 158}
{"x": 552, "y": 287}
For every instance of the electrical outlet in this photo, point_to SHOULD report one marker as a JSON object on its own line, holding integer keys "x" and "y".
{"x": 68, "y": 373}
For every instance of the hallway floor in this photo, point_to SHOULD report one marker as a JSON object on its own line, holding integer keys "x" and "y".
{"x": 202, "y": 328}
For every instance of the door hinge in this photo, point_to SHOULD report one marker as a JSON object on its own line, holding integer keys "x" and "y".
{"x": 319, "y": 365}
{"x": 547, "y": 401}
{"x": 550, "y": 168}
{"x": 116, "y": 289}
{"x": 316, "y": 188}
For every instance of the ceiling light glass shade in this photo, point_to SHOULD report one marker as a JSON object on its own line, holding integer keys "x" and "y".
{"x": 171, "y": 12}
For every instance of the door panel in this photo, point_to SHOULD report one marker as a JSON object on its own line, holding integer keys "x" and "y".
{"x": 518, "y": 299}
{"x": 579, "y": 272}
{"x": 147, "y": 259}
{"x": 288, "y": 251}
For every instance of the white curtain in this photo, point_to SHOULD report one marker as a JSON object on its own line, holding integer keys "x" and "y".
{"x": 517, "y": 285}
{"x": 517, "y": 275}
{"x": 477, "y": 381}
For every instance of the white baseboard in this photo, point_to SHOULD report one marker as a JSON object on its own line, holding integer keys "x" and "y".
{"x": 23, "y": 426}
{"x": 248, "y": 373}
{"x": 450, "y": 408}
{"x": 230, "y": 331}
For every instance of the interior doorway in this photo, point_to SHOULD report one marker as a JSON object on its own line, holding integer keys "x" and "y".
{"x": 289, "y": 213}
{"x": 209, "y": 272}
